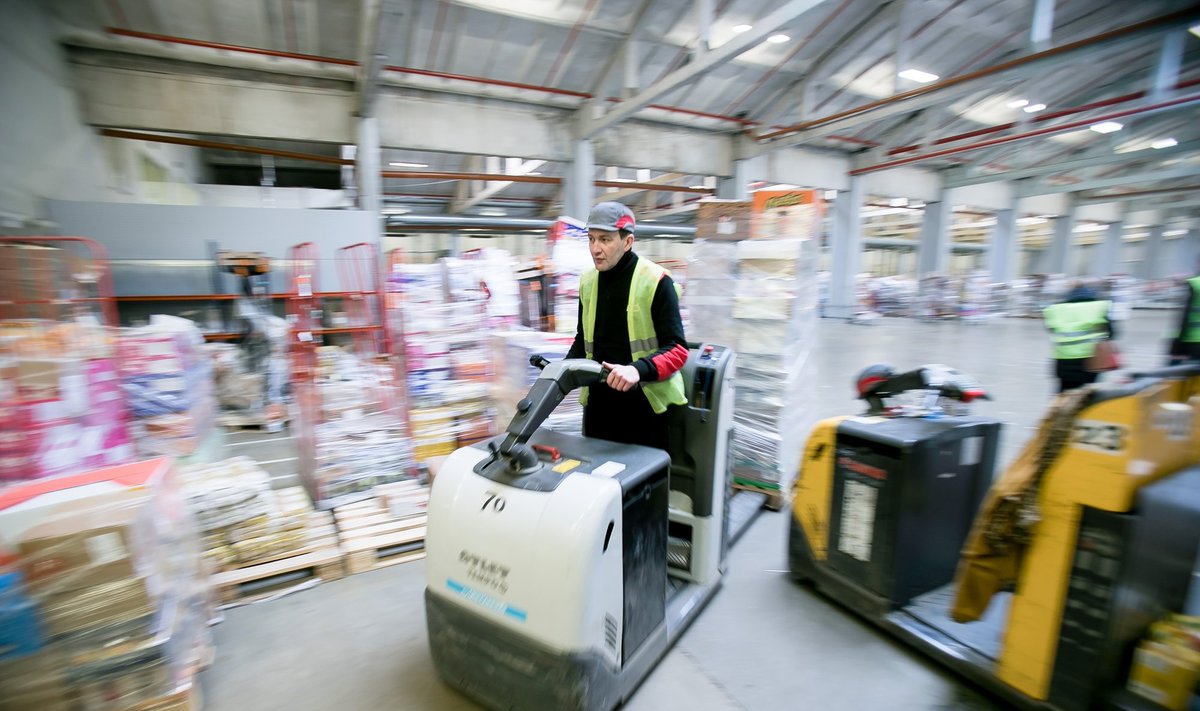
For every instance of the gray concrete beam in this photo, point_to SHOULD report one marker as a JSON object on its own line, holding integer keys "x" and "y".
{"x": 1002, "y": 245}
{"x": 1109, "y": 255}
{"x": 846, "y": 246}
{"x": 1152, "y": 254}
{"x": 222, "y": 106}
{"x": 933, "y": 254}
{"x": 578, "y": 187}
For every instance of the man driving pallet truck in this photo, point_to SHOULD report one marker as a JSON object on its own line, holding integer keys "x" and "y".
{"x": 1089, "y": 537}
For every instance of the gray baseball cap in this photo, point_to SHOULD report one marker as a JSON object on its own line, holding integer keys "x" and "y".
{"x": 611, "y": 216}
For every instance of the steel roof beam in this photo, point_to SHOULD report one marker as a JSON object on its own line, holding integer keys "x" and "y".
{"x": 763, "y": 28}
{"x": 947, "y": 89}
{"x": 1029, "y": 188}
{"x": 959, "y": 177}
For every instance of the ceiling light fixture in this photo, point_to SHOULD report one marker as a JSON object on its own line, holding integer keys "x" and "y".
{"x": 409, "y": 165}
{"x": 1018, "y": 103}
{"x": 918, "y": 76}
{"x": 899, "y": 202}
{"x": 533, "y": 172}
{"x": 1164, "y": 143}
{"x": 395, "y": 211}
{"x": 620, "y": 180}
{"x": 739, "y": 29}
{"x": 1034, "y": 108}
{"x": 493, "y": 213}
{"x": 778, "y": 39}
{"x": 1174, "y": 233}
{"x": 1195, "y": 29}
{"x": 1107, "y": 127}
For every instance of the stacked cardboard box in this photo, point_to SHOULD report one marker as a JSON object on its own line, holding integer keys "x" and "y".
{"x": 242, "y": 521}
{"x": 449, "y": 363}
{"x": 514, "y": 376}
{"x": 752, "y": 286}
{"x": 356, "y": 453}
{"x": 103, "y": 600}
{"x": 61, "y": 405}
{"x": 167, "y": 379}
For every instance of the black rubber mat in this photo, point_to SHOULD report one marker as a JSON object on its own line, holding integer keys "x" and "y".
{"x": 983, "y": 636}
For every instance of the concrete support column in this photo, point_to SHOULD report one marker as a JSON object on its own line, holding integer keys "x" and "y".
{"x": 1059, "y": 252}
{"x": 846, "y": 248}
{"x": 1152, "y": 253}
{"x": 370, "y": 183}
{"x": 578, "y": 186}
{"x": 1002, "y": 246}
{"x": 1188, "y": 253}
{"x": 933, "y": 249}
{"x": 736, "y": 186}
{"x": 1108, "y": 258}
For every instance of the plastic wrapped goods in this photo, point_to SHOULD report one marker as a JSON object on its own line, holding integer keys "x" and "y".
{"x": 759, "y": 296}
{"x": 167, "y": 380}
{"x": 61, "y": 406}
{"x": 104, "y": 602}
{"x": 241, "y": 519}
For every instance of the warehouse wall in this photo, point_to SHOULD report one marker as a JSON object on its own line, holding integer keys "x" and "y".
{"x": 163, "y": 249}
{"x": 46, "y": 148}
{"x": 48, "y": 152}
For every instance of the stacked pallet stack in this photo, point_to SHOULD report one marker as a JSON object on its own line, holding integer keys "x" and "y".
{"x": 356, "y": 453}
{"x": 752, "y": 286}
{"x": 384, "y": 530}
{"x": 253, "y": 535}
{"x": 511, "y": 351}
{"x": 61, "y": 406}
{"x": 167, "y": 379}
{"x": 449, "y": 365}
{"x": 103, "y": 598}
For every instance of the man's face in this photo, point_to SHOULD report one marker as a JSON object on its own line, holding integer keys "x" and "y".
{"x": 607, "y": 248}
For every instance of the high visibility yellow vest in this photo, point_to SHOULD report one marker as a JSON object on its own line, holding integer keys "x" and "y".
{"x": 1191, "y": 333}
{"x": 643, "y": 339}
{"x": 1077, "y": 327}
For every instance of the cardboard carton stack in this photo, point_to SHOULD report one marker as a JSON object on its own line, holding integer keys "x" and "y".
{"x": 449, "y": 362}
{"x": 61, "y": 405}
{"x": 354, "y": 454}
{"x": 167, "y": 379}
{"x": 752, "y": 286}
{"x": 103, "y": 600}
{"x": 514, "y": 376}
{"x": 242, "y": 521}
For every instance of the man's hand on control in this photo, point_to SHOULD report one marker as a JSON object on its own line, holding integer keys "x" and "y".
{"x": 622, "y": 378}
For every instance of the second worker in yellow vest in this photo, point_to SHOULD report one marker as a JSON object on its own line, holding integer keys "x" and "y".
{"x": 1077, "y": 325}
{"x": 629, "y": 321}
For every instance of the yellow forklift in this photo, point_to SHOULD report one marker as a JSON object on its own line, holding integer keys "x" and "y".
{"x": 1037, "y": 586}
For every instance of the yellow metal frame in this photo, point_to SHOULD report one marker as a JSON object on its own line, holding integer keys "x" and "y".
{"x": 1109, "y": 481}
{"x": 812, "y": 492}
{"x": 1151, "y": 447}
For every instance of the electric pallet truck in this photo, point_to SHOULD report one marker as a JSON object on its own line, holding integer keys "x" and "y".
{"x": 1037, "y": 586}
{"x": 561, "y": 568}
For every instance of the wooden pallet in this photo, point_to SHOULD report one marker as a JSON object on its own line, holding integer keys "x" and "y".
{"x": 775, "y": 498}
{"x": 318, "y": 558}
{"x": 372, "y": 538}
{"x": 266, "y": 579}
{"x": 320, "y": 534}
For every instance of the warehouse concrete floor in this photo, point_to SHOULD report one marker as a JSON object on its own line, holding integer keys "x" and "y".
{"x": 358, "y": 644}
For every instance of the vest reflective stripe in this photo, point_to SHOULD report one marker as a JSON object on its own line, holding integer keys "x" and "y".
{"x": 1191, "y": 334}
{"x": 643, "y": 339}
{"x": 1077, "y": 328}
